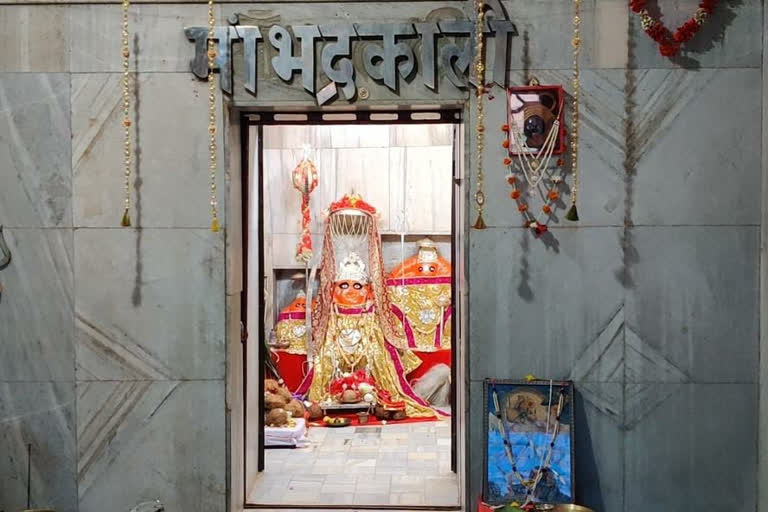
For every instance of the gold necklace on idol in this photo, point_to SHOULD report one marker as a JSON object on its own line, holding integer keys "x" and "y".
{"x": 343, "y": 348}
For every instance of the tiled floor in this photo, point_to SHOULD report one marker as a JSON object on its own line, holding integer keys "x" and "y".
{"x": 406, "y": 464}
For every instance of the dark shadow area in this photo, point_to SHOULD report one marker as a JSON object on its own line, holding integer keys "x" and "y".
{"x": 588, "y": 490}
{"x": 138, "y": 182}
{"x": 526, "y": 57}
{"x": 549, "y": 241}
{"x": 629, "y": 252}
{"x": 524, "y": 287}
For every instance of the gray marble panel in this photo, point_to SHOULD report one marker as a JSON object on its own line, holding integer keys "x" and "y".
{"x": 763, "y": 347}
{"x": 36, "y": 38}
{"x": 141, "y": 441}
{"x": 475, "y": 442}
{"x": 38, "y": 418}
{"x": 36, "y": 307}
{"x": 694, "y": 140}
{"x": 36, "y": 181}
{"x": 601, "y": 157}
{"x": 170, "y": 180}
{"x": 157, "y": 32}
{"x": 696, "y": 451}
{"x": 731, "y": 38}
{"x": 536, "y": 304}
{"x": 694, "y": 300}
{"x": 546, "y": 30}
{"x": 149, "y": 304}
{"x": 598, "y": 441}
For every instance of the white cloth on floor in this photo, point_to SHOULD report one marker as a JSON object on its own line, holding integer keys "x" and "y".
{"x": 287, "y": 436}
{"x": 435, "y": 385}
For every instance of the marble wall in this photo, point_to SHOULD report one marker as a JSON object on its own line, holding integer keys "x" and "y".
{"x": 651, "y": 302}
{"x": 112, "y": 340}
{"x": 112, "y": 349}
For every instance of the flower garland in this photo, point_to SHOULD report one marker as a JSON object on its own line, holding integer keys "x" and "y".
{"x": 536, "y": 222}
{"x": 669, "y": 42}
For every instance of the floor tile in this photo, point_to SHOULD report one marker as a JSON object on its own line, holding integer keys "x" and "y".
{"x": 387, "y": 465}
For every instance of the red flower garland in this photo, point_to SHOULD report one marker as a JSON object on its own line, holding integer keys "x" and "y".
{"x": 669, "y": 42}
{"x": 539, "y": 228}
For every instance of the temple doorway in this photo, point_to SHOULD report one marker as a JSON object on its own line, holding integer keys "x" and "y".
{"x": 354, "y": 270}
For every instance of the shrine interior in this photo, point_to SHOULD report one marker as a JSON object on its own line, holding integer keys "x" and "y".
{"x": 359, "y": 218}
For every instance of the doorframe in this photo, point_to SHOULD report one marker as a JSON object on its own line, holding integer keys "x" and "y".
{"x": 239, "y": 213}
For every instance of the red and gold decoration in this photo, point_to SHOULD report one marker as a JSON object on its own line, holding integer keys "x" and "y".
{"x": 291, "y": 326}
{"x": 353, "y": 328}
{"x": 212, "y": 117}
{"x": 480, "y": 127}
{"x": 126, "y": 53}
{"x": 420, "y": 290}
{"x": 354, "y": 387}
{"x": 304, "y": 178}
{"x": 670, "y": 43}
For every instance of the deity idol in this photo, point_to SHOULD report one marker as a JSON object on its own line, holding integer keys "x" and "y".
{"x": 353, "y": 328}
{"x": 291, "y": 327}
{"x": 420, "y": 291}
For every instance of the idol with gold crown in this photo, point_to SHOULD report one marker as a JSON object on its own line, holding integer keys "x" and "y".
{"x": 420, "y": 291}
{"x": 353, "y": 329}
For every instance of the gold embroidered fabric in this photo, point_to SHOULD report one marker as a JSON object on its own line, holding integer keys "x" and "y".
{"x": 355, "y": 342}
{"x": 425, "y": 310}
{"x": 292, "y": 335}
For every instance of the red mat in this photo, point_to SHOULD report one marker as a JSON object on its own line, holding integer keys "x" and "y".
{"x": 291, "y": 366}
{"x": 372, "y": 421}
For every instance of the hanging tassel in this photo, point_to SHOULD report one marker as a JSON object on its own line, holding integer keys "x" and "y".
{"x": 573, "y": 213}
{"x": 479, "y": 223}
{"x": 126, "y": 222}
{"x": 215, "y": 225}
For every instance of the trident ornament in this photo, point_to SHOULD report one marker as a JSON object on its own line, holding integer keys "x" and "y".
{"x": 5, "y": 257}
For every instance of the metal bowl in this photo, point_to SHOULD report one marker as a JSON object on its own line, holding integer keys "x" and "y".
{"x": 569, "y": 507}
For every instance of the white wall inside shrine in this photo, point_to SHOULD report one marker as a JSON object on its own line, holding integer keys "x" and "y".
{"x": 402, "y": 170}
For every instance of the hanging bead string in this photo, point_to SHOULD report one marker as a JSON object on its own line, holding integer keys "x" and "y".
{"x": 573, "y": 213}
{"x": 126, "y": 52}
{"x": 479, "y": 70}
{"x": 212, "y": 116}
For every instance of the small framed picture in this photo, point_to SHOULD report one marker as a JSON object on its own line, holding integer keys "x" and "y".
{"x": 528, "y": 442}
{"x": 536, "y": 119}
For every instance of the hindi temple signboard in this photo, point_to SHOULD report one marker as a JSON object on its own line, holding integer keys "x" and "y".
{"x": 388, "y": 56}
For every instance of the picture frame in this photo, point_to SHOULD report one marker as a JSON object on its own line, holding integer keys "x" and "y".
{"x": 545, "y": 102}
{"x": 526, "y": 419}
